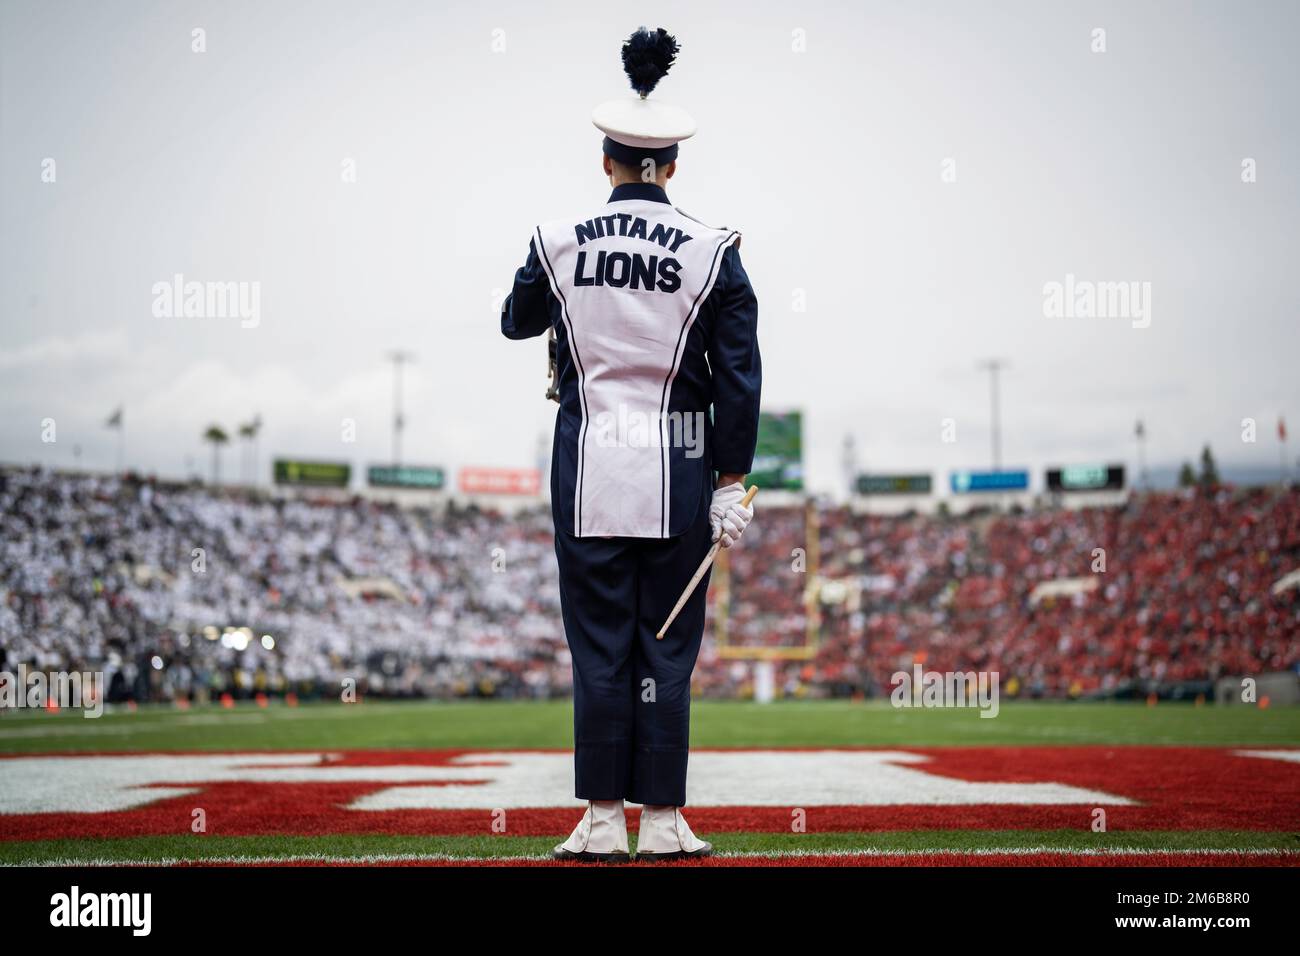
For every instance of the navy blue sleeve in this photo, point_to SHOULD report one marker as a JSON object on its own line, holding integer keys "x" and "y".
{"x": 736, "y": 367}
{"x": 526, "y": 310}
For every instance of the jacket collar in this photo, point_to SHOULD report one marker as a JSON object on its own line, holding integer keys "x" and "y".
{"x": 645, "y": 192}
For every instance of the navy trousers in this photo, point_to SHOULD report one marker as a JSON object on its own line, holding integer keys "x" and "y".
{"x": 632, "y": 693}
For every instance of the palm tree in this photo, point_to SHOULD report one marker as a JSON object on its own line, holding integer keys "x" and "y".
{"x": 217, "y": 435}
{"x": 248, "y": 433}
{"x": 1209, "y": 470}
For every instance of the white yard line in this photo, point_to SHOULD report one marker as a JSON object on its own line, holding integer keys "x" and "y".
{"x": 242, "y": 860}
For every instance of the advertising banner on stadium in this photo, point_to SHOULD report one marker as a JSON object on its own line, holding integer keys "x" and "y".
{"x": 893, "y": 484}
{"x": 968, "y": 481}
{"x": 778, "y": 459}
{"x": 405, "y": 476}
{"x": 312, "y": 474}
{"x": 500, "y": 481}
{"x": 1086, "y": 478}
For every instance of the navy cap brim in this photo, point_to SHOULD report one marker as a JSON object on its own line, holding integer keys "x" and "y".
{"x": 636, "y": 155}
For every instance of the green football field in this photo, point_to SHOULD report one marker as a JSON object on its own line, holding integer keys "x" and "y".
{"x": 1172, "y": 770}
{"x": 496, "y": 724}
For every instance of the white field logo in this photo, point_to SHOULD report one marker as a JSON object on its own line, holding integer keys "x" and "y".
{"x": 946, "y": 689}
{"x": 68, "y": 690}
{"x": 102, "y": 909}
{"x": 1084, "y": 299}
{"x": 509, "y": 780}
{"x": 632, "y": 428}
{"x": 179, "y": 299}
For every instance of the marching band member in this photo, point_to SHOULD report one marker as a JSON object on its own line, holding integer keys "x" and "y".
{"x": 655, "y": 325}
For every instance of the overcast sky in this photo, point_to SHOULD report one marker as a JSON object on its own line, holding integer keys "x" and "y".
{"x": 825, "y": 135}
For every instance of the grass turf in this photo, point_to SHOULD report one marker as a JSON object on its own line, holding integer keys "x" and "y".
{"x": 548, "y": 724}
{"x": 192, "y": 847}
{"x": 496, "y": 724}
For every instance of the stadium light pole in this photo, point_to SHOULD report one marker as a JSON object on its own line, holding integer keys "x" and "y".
{"x": 1140, "y": 433}
{"x": 1281, "y": 442}
{"x": 398, "y": 358}
{"x": 849, "y": 464}
{"x": 995, "y": 366}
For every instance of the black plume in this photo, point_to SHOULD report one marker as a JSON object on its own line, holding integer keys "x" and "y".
{"x": 647, "y": 57}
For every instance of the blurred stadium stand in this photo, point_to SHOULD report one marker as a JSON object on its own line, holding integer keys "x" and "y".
{"x": 186, "y": 592}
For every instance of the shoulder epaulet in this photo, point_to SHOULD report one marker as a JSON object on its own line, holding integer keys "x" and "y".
{"x": 683, "y": 212}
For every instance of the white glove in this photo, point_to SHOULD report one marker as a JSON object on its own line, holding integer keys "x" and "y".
{"x": 727, "y": 515}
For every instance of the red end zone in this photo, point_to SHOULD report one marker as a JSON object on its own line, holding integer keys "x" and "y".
{"x": 81, "y": 796}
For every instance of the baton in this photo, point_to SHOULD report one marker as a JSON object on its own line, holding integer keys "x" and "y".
{"x": 699, "y": 572}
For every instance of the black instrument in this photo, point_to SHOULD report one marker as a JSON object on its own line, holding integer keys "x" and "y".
{"x": 553, "y": 392}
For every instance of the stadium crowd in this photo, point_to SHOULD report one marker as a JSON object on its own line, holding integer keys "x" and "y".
{"x": 1164, "y": 594}
{"x": 183, "y": 592}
